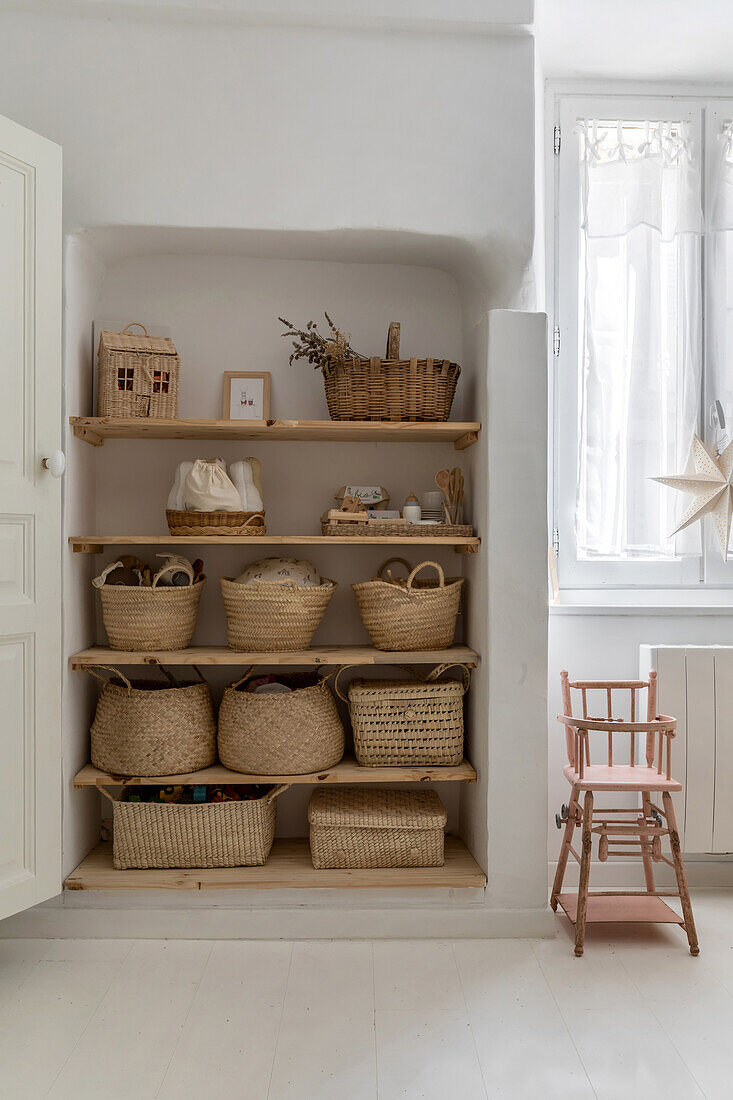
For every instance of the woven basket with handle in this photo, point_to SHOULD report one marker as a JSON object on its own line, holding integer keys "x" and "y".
{"x": 391, "y": 388}
{"x": 407, "y": 722}
{"x": 137, "y": 375}
{"x": 138, "y": 617}
{"x": 289, "y": 733}
{"x": 212, "y": 834}
{"x": 412, "y": 615}
{"x": 274, "y": 617}
{"x": 356, "y": 827}
{"x": 149, "y": 729}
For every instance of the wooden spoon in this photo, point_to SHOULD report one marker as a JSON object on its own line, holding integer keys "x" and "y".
{"x": 443, "y": 481}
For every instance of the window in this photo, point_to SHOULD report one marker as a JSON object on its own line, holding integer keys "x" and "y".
{"x": 161, "y": 379}
{"x": 644, "y": 308}
{"x": 125, "y": 376}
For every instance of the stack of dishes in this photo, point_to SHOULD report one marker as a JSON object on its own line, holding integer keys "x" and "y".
{"x": 431, "y": 506}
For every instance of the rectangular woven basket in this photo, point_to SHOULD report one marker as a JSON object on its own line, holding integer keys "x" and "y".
{"x": 352, "y": 827}
{"x": 210, "y": 834}
{"x": 408, "y": 722}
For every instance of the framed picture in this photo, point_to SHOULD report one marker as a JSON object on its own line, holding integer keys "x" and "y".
{"x": 246, "y": 396}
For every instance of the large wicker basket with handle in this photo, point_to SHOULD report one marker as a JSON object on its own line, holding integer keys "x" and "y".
{"x": 263, "y": 616}
{"x": 411, "y": 614}
{"x": 137, "y": 375}
{"x": 138, "y": 617}
{"x": 407, "y": 722}
{"x": 391, "y": 388}
{"x": 353, "y": 827}
{"x": 292, "y": 733}
{"x": 149, "y": 729}
{"x": 212, "y": 834}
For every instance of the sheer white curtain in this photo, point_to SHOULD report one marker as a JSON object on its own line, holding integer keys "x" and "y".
{"x": 640, "y": 317}
{"x": 719, "y": 244}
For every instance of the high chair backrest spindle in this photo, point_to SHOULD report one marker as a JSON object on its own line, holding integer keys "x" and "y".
{"x": 577, "y": 741}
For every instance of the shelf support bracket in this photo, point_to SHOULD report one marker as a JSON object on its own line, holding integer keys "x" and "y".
{"x": 465, "y": 440}
{"x": 81, "y": 431}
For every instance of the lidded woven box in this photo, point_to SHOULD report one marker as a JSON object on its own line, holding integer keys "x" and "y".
{"x": 137, "y": 375}
{"x": 356, "y": 827}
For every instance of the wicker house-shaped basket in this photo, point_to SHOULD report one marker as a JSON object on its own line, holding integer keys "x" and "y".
{"x": 137, "y": 375}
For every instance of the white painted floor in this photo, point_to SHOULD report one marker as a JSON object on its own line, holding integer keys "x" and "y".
{"x": 636, "y": 1017}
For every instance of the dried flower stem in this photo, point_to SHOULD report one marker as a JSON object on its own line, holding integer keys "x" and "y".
{"x": 320, "y": 350}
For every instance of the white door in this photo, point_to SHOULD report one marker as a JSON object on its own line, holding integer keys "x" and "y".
{"x": 30, "y": 519}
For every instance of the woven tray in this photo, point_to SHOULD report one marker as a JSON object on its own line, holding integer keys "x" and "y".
{"x": 401, "y": 530}
{"x": 215, "y": 523}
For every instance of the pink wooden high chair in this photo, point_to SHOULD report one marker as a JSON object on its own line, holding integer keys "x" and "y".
{"x": 620, "y": 831}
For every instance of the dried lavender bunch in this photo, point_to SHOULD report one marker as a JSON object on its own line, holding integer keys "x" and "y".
{"x": 318, "y": 349}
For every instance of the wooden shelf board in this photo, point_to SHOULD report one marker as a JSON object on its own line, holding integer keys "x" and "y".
{"x": 316, "y": 655}
{"x": 95, "y": 429}
{"x": 95, "y": 544}
{"x": 288, "y": 867}
{"x": 346, "y": 771}
{"x": 628, "y": 909}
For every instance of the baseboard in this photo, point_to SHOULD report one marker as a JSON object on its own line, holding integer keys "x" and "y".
{"x": 58, "y": 920}
{"x": 629, "y": 875}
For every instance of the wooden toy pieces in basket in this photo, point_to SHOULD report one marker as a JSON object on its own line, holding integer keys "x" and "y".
{"x": 206, "y": 500}
{"x": 145, "y": 610}
{"x": 409, "y": 614}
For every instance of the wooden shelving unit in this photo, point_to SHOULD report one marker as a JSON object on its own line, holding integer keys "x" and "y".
{"x": 95, "y": 544}
{"x": 95, "y": 429}
{"x": 316, "y": 655}
{"x": 288, "y": 867}
{"x": 346, "y": 771}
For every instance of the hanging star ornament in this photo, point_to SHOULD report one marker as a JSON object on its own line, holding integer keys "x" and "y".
{"x": 708, "y": 479}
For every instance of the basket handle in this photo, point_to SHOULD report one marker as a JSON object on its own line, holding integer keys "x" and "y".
{"x": 276, "y": 792}
{"x": 440, "y": 669}
{"x": 416, "y": 570}
{"x": 135, "y": 324}
{"x": 244, "y": 678}
{"x": 411, "y": 669}
{"x": 389, "y": 561}
{"x": 114, "y": 671}
{"x": 393, "y": 341}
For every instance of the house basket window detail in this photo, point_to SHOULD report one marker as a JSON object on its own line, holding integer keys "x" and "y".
{"x": 161, "y": 381}
{"x": 125, "y": 377}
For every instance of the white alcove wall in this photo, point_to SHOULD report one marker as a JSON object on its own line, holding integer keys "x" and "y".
{"x": 220, "y": 295}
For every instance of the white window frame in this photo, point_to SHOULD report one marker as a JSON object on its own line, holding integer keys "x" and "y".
{"x": 704, "y": 115}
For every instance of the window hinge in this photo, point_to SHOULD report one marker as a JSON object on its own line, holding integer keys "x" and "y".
{"x": 556, "y": 540}
{"x": 556, "y": 341}
{"x": 557, "y": 140}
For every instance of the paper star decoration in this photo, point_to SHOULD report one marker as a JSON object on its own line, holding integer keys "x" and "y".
{"x": 708, "y": 478}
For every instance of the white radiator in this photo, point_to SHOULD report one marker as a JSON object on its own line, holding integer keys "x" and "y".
{"x": 696, "y": 687}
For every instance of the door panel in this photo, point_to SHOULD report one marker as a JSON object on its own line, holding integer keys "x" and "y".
{"x": 30, "y": 519}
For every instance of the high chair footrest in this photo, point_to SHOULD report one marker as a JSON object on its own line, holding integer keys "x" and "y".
{"x": 624, "y": 908}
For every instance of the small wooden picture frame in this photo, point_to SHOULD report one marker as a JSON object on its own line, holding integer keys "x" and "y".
{"x": 246, "y": 395}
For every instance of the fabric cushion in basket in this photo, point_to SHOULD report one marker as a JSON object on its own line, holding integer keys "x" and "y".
{"x": 356, "y": 827}
{"x": 280, "y": 571}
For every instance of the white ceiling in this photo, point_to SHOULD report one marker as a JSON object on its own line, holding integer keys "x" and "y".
{"x": 690, "y": 40}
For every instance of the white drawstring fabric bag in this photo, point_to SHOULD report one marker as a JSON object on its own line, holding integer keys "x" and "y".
{"x": 208, "y": 488}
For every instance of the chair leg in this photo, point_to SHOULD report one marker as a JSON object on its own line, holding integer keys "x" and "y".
{"x": 646, "y": 854}
{"x": 562, "y": 860}
{"x": 679, "y": 869}
{"x": 582, "y": 912}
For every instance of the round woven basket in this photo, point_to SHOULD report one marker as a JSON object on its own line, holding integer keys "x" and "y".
{"x": 274, "y": 617}
{"x": 138, "y": 618}
{"x": 293, "y": 733}
{"x": 215, "y": 523}
{"x": 421, "y": 615}
{"x": 152, "y": 729}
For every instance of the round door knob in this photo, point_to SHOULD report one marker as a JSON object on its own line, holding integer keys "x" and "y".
{"x": 55, "y": 464}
